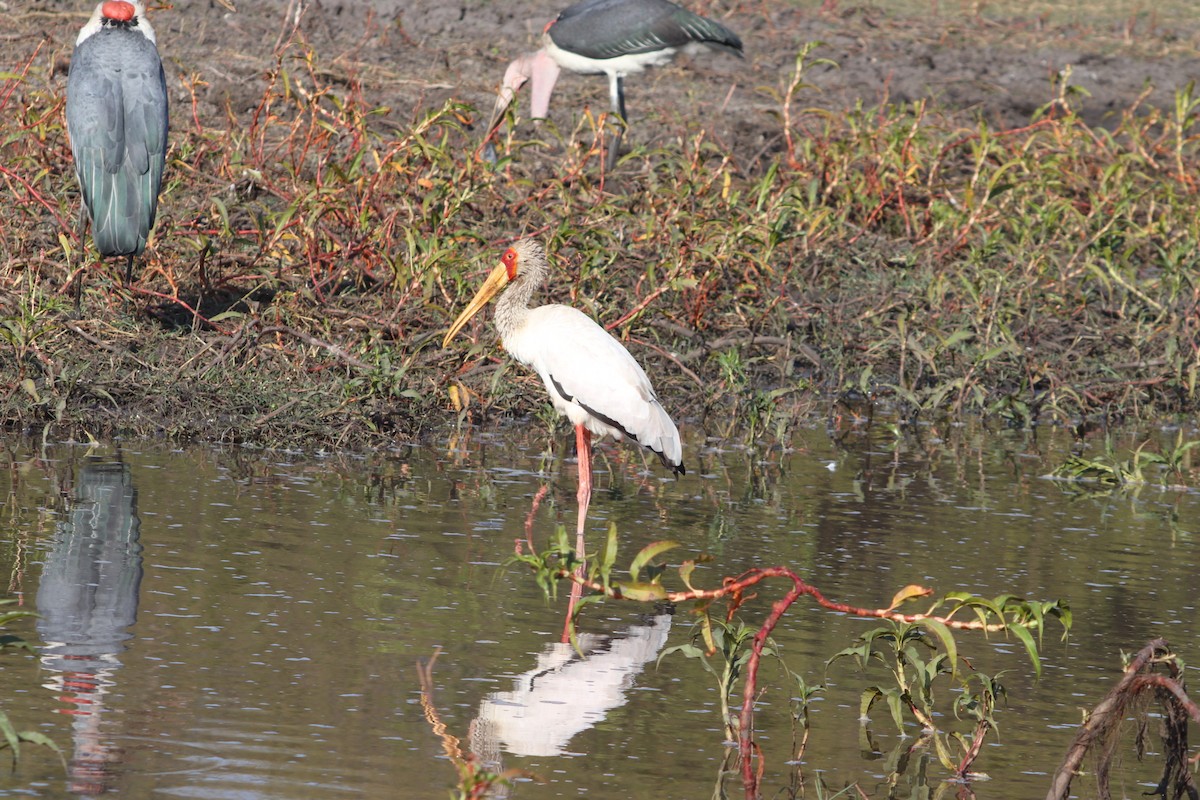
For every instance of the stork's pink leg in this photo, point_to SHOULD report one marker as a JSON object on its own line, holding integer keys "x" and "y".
{"x": 583, "y": 448}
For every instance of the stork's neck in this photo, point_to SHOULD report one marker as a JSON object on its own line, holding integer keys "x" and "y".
{"x": 512, "y": 309}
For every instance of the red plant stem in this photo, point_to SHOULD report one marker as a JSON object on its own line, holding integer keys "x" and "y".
{"x": 13, "y": 83}
{"x": 35, "y": 195}
{"x": 746, "y": 720}
{"x": 537, "y": 501}
{"x": 734, "y": 588}
{"x": 981, "y": 730}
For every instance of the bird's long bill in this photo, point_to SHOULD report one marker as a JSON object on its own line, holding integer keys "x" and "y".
{"x": 541, "y": 71}
{"x": 494, "y": 283}
{"x": 515, "y": 76}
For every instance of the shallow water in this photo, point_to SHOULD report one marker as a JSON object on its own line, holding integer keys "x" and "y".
{"x": 225, "y": 623}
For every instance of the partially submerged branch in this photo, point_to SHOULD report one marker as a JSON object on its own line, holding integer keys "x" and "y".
{"x": 1101, "y": 728}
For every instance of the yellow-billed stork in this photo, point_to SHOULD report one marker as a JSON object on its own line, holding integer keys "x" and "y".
{"x": 611, "y": 37}
{"x": 592, "y": 379}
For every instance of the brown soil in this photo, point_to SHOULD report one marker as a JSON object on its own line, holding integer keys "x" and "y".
{"x": 415, "y": 53}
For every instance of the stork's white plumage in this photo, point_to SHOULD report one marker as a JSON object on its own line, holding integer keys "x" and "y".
{"x": 610, "y": 37}
{"x": 117, "y": 122}
{"x": 592, "y": 379}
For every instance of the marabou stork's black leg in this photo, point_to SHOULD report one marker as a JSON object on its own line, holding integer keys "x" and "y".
{"x": 129, "y": 270}
{"x": 616, "y": 90}
{"x": 78, "y": 293}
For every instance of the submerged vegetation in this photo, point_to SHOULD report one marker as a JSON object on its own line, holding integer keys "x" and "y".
{"x": 309, "y": 252}
{"x": 11, "y": 739}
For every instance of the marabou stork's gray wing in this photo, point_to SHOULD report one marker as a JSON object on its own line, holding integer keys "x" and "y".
{"x": 610, "y": 28}
{"x": 117, "y": 120}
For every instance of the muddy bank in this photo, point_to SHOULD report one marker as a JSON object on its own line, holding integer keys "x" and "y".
{"x": 320, "y": 226}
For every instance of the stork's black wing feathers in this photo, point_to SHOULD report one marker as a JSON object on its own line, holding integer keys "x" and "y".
{"x": 609, "y": 28}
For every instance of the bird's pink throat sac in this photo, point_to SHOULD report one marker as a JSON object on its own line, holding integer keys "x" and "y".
{"x": 118, "y": 10}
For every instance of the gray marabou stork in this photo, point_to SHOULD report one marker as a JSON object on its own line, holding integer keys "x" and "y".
{"x": 117, "y": 122}
{"x": 592, "y": 379}
{"x": 611, "y": 37}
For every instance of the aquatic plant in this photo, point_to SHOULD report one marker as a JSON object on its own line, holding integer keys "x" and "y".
{"x": 935, "y": 629}
{"x": 1110, "y": 469}
{"x": 10, "y": 737}
{"x": 915, "y": 664}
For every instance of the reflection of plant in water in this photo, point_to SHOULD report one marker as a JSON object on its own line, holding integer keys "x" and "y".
{"x": 917, "y": 647}
{"x": 802, "y": 726}
{"x": 10, "y": 737}
{"x": 729, "y": 639}
{"x": 474, "y": 781}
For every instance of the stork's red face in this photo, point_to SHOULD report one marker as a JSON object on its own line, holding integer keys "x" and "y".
{"x": 118, "y": 11}
{"x": 509, "y": 260}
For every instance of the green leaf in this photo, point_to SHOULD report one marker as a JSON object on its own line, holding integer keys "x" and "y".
{"x": 31, "y": 389}
{"x": 689, "y": 650}
{"x": 867, "y": 700}
{"x": 10, "y": 735}
{"x": 41, "y": 739}
{"x": 858, "y": 653}
{"x": 1063, "y": 611}
{"x": 648, "y": 552}
{"x": 17, "y": 643}
{"x": 946, "y": 637}
{"x": 1038, "y": 612}
{"x": 222, "y": 211}
{"x": 685, "y": 573}
{"x": 960, "y": 335}
{"x": 1022, "y": 633}
{"x": 896, "y": 705}
{"x": 561, "y": 542}
{"x": 608, "y": 555}
{"x": 709, "y": 639}
{"x": 224, "y": 315}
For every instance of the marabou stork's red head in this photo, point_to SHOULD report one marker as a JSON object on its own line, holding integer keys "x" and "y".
{"x": 118, "y": 11}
